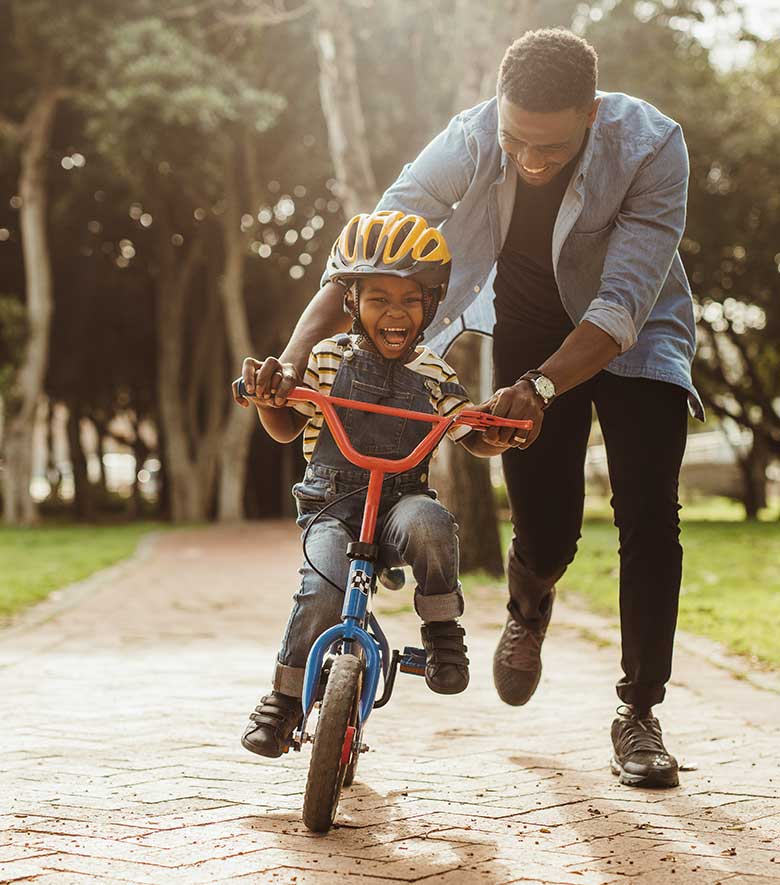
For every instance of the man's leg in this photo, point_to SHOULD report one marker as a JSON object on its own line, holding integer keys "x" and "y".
{"x": 644, "y": 423}
{"x": 546, "y": 490}
{"x": 422, "y": 533}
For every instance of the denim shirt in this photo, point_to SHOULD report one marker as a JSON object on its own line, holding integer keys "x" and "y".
{"x": 614, "y": 242}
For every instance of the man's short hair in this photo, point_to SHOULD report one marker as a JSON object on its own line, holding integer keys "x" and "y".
{"x": 549, "y": 70}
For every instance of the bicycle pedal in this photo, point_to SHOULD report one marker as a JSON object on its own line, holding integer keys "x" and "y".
{"x": 412, "y": 661}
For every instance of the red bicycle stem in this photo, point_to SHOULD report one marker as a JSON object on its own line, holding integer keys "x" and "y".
{"x": 378, "y": 467}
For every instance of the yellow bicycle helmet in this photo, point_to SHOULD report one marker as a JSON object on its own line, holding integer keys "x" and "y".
{"x": 391, "y": 243}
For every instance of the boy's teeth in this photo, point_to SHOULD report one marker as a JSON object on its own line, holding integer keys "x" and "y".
{"x": 394, "y": 336}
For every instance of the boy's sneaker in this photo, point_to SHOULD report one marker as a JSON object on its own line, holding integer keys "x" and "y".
{"x": 446, "y": 664}
{"x": 271, "y": 725}
{"x": 640, "y": 758}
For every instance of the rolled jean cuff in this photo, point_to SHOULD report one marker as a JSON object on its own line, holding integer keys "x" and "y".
{"x": 289, "y": 680}
{"x": 439, "y": 606}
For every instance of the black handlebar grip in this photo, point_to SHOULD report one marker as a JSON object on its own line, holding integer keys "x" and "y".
{"x": 242, "y": 388}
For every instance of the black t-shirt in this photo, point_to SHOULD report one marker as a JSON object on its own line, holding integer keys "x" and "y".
{"x": 525, "y": 289}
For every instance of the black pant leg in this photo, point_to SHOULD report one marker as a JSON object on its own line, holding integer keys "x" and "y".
{"x": 644, "y": 423}
{"x": 545, "y": 483}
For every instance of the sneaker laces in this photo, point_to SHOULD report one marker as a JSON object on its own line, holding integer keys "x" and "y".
{"x": 519, "y": 645}
{"x": 646, "y": 738}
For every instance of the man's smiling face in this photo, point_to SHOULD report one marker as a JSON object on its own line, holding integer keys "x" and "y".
{"x": 541, "y": 144}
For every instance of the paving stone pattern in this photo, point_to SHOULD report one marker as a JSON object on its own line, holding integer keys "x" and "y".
{"x": 123, "y": 702}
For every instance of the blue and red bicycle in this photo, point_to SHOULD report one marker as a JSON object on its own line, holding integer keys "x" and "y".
{"x": 349, "y": 658}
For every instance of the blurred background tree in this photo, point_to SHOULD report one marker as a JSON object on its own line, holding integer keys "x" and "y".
{"x": 174, "y": 174}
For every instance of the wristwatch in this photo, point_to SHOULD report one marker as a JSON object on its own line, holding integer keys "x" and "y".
{"x": 542, "y": 385}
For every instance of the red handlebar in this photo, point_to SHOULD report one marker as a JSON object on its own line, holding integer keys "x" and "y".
{"x": 469, "y": 417}
{"x": 380, "y": 466}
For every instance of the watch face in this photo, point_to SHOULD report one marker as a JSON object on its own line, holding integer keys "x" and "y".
{"x": 545, "y": 387}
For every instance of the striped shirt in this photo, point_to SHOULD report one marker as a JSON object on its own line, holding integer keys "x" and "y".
{"x": 325, "y": 360}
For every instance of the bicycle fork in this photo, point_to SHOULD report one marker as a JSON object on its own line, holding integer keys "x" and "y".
{"x": 350, "y": 630}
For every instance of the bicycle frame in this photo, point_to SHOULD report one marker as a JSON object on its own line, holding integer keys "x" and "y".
{"x": 355, "y": 615}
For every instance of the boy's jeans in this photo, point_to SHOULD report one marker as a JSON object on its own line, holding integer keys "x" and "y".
{"x": 416, "y": 531}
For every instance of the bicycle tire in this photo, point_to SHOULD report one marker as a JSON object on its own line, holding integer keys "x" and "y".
{"x": 339, "y": 711}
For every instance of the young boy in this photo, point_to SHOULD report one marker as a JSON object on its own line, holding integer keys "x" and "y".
{"x": 395, "y": 270}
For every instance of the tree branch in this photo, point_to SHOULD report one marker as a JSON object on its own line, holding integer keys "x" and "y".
{"x": 10, "y": 129}
{"x": 264, "y": 16}
{"x": 190, "y": 11}
{"x": 759, "y": 394}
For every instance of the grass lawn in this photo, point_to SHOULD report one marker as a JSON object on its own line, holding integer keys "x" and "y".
{"x": 731, "y": 576}
{"x": 33, "y": 562}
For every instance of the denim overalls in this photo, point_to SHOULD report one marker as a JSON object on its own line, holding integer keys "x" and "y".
{"x": 413, "y": 528}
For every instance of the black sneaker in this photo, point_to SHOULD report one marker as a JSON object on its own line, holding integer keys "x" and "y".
{"x": 517, "y": 662}
{"x": 640, "y": 758}
{"x": 446, "y": 664}
{"x": 271, "y": 725}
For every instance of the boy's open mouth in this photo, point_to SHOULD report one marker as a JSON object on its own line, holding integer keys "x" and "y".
{"x": 394, "y": 337}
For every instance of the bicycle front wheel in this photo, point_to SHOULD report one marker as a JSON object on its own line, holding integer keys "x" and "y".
{"x": 333, "y": 739}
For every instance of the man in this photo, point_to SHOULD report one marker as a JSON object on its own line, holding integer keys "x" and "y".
{"x": 576, "y": 202}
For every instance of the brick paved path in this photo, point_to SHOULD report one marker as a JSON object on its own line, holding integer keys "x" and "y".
{"x": 121, "y": 763}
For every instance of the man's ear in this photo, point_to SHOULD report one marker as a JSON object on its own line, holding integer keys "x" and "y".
{"x": 593, "y": 111}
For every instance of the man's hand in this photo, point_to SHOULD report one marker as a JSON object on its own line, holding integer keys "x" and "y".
{"x": 519, "y": 402}
{"x": 269, "y": 381}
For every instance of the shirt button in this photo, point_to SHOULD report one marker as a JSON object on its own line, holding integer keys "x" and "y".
{"x": 476, "y": 288}
{"x": 423, "y": 477}
{"x": 446, "y": 321}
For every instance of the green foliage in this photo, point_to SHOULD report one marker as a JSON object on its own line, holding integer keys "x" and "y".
{"x": 731, "y": 575}
{"x": 33, "y": 562}
{"x": 164, "y": 96}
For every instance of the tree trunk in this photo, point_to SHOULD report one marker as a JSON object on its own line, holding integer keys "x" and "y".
{"x": 189, "y": 475}
{"x": 53, "y": 474}
{"x": 463, "y": 481}
{"x": 83, "y": 492}
{"x": 753, "y": 465}
{"x": 18, "y": 505}
{"x": 100, "y": 446}
{"x": 140, "y": 453}
{"x": 340, "y": 97}
{"x": 234, "y": 445}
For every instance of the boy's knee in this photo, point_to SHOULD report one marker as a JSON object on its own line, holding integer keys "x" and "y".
{"x": 434, "y": 524}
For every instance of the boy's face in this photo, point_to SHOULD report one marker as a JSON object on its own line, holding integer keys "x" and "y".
{"x": 391, "y": 311}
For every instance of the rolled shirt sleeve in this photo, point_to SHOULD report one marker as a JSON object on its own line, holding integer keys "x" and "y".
{"x": 643, "y": 243}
